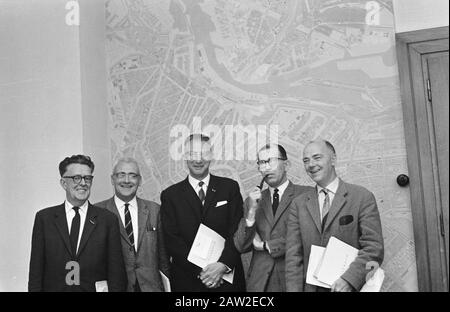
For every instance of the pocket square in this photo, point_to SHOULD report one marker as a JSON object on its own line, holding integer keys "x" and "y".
{"x": 221, "y": 203}
{"x": 345, "y": 220}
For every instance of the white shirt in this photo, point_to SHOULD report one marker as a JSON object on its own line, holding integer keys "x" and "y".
{"x": 332, "y": 188}
{"x": 194, "y": 183}
{"x": 70, "y": 213}
{"x": 281, "y": 190}
{"x": 120, "y": 204}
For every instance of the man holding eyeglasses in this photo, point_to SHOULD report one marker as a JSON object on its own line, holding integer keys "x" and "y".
{"x": 76, "y": 245}
{"x": 143, "y": 247}
{"x": 202, "y": 198}
{"x": 262, "y": 230}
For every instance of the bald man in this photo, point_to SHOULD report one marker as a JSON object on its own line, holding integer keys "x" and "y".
{"x": 334, "y": 208}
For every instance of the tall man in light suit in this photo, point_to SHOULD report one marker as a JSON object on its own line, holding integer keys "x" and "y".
{"x": 202, "y": 198}
{"x": 262, "y": 230}
{"x": 143, "y": 246}
{"x": 334, "y": 208}
{"x": 76, "y": 233}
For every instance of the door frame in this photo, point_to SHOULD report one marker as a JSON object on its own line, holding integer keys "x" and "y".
{"x": 431, "y": 270}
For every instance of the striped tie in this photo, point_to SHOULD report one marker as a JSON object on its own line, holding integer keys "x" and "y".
{"x": 201, "y": 192}
{"x": 129, "y": 225}
{"x": 326, "y": 206}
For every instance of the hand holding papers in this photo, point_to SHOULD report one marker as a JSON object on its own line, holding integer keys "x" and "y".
{"x": 207, "y": 248}
{"x": 326, "y": 265}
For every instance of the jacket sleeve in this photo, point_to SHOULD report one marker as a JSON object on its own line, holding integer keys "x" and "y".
{"x": 370, "y": 241}
{"x": 117, "y": 276}
{"x": 230, "y": 255}
{"x": 243, "y": 238}
{"x": 37, "y": 260}
{"x": 174, "y": 242}
{"x": 294, "y": 253}
{"x": 163, "y": 257}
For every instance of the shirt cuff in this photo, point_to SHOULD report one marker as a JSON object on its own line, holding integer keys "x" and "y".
{"x": 249, "y": 223}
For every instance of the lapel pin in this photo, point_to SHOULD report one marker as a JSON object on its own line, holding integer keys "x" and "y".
{"x": 214, "y": 190}
{"x": 90, "y": 220}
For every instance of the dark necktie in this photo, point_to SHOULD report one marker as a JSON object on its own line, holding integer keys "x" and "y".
{"x": 275, "y": 201}
{"x": 326, "y": 206}
{"x": 129, "y": 225}
{"x": 201, "y": 193}
{"x": 75, "y": 230}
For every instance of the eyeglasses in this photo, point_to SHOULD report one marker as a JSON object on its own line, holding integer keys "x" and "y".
{"x": 197, "y": 156}
{"x": 123, "y": 175}
{"x": 271, "y": 162}
{"x": 77, "y": 178}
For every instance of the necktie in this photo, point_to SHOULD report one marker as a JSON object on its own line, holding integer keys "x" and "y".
{"x": 129, "y": 225}
{"x": 326, "y": 206}
{"x": 275, "y": 201}
{"x": 74, "y": 231}
{"x": 201, "y": 193}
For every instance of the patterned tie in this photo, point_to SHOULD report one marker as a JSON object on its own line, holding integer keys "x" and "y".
{"x": 326, "y": 206}
{"x": 275, "y": 201}
{"x": 129, "y": 225}
{"x": 74, "y": 231}
{"x": 201, "y": 193}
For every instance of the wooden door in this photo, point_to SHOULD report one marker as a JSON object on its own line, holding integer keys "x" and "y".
{"x": 423, "y": 66}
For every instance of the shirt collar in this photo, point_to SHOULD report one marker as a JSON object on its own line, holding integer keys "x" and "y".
{"x": 120, "y": 203}
{"x": 280, "y": 188}
{"x": 69, "y": 206}
{"x": 194, "y": 182}
{"x": 332, "y": 187}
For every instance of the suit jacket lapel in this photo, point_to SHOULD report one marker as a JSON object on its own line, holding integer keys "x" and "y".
{"x": 192, "y": 198}
{"x": 210, "y": 195}
{"x": 89, "y": 225}
{"x": 337, "y": 204}
{"x": 63, "y": 228}
{"x": 267, "y": 206}
{"x": 143, "y": 214}
{"x": 312, "y": 205}
{"x": 284, "y": 203}
{"x": 111, "y": 206}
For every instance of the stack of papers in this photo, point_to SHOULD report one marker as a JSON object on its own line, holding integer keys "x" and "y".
{"x": 326, "y": 265}
{"x": 207, "y": 248}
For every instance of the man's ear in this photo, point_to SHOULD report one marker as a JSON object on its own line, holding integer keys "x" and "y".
{"x": 333, "y": 159}
{"x": 287, "y": 164}
{"x": 63, "y": 183}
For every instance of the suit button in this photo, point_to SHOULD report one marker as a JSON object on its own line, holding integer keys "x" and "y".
{"x": 136, "y": 266}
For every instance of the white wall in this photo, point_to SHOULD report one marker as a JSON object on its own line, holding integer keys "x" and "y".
{"x": 45, "y": 114}
{"x": 420, "y": 14}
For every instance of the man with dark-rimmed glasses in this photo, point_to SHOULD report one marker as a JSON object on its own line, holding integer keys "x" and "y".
{"x": 76, "y": 245}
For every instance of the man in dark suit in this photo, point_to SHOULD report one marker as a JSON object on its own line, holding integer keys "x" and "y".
{"x": 335, "y": 208}
{"x": 75, "y": 244}
{"x": 263, "y": 229}
{"x": 143, "y": 247}
{"x": 206, "y": 199}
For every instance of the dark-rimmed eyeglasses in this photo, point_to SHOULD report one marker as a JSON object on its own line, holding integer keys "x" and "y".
{"x": 123, "y": 175}
{"x": 77, "y": 178}
{"x": 271, "y": 162}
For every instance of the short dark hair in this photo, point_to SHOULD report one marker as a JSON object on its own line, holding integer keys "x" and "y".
{"x": 281, "y": 150}
{"x": 75, "y": 159}
{"x": 330, "y": 146}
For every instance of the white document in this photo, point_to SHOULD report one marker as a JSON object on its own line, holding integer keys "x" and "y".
{"x": 315, "y": 258}
{"x": 166, "y": 282}
{"x": 207, "y": 248}
{"x": 374, "y": 283}
{"x": 101, "y": 286}
{"x": 336, "y": 259}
